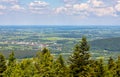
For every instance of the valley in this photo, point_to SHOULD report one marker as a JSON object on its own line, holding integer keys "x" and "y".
{"x": 25, "y": 41}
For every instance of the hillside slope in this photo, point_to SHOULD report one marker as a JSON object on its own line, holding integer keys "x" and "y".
{"x": 110, "y": 44}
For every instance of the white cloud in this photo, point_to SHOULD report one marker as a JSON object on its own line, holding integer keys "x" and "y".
{"x": 16, "y": 7}
{"x": 82, "y": 6}
{"x": 60, "y": 10}
{"x": 9, "y": 1}
{"x": 118, "y": 1}
{"x": 39, "y": 7}
{"x": 1, "y": 13}
{"x": 95, "y": 7}
{"x": 106, "y": 11}
{"x": 96, "y": 3}
{"x": 39, "y": 3}
{"x": 2, "y": 7}
{"x": 100, "y": 8}
{"x": 70, "y": 7}
{"x": 76, "y": 9}
{"x": 69, "y": 1}
{"x": 117, "y": 7}
{"x": 81, "y": 9}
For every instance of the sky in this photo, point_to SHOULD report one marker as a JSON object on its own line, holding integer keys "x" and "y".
{"x": 59, "y": 12}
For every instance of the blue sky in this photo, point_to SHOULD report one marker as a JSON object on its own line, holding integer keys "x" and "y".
{"x": 59, "y": 12}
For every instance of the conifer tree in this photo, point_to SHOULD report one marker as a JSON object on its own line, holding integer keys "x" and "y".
{"x": 79, "y": 60}
{"x": 11, "y": 59}
{"x": 13, "y": 71}
{"x": 60, "y": 69}
{"x": 44, "y": 62}
{"x": 111, "y": 67}
{"x": 99, "y": 69}
{"x": 27, "y": 68}
{"x": 118, "y": 67}
{"x": 11, "y": 65}
{"x": 2, "y": 65}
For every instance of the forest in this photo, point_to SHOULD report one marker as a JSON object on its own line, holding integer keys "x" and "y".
{"x": 110, "y": 44}
{"x": 44, "y": 64}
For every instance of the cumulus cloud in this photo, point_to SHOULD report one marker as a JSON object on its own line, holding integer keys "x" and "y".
{"x": 118, "y": 1}
{"x": 117, "y": 7}
{"x": 61, "y": 10}
{"x": 96, "y": 3}
{"x": 76, "y": 9}
{"x": 17, "y": 7}
{"x": 81, "y": 9}
{"x": 94, "y": 7}
{"x": 39, "y": 7}
{"x": 70, "y": 7}
{"x": 2, "y": 7}
{"x": 106, "y": 11}
{"x": 9, "y": 1}
{"x": 70, "y": 1}
{"x": 82, "y": 6}
{"x": 39, "y": 3}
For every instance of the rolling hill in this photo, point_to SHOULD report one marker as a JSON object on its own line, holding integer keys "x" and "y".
{"x": 110, "y": 44}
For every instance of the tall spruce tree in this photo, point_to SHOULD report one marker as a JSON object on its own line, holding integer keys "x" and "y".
{"x": 10, "y": 65}
{"x": 11, "y": 59}
{"x": 2, "y": 65}
{"x": 60, "y": 69}
{"x": 111, "y": 67}
{"x": 100, "y": 70}
{"x": 118, "y": 67}
{"x": 44, "y": 62}
{"x": 79, "y": 60}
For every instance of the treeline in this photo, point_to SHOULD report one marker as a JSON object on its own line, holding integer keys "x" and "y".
{"x": 44, "y": 64}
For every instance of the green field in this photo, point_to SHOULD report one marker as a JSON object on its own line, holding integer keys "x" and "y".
{"x": 25, "y": 41}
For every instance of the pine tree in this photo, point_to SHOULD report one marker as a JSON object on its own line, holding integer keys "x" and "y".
{"x": 60, "y": 69}
{"x": 2, "y": 65}
{"x": 44, "y": 62}
{"x": 11, "y": 65}
{"x": 79, "y": 60}
{"x": 13, "y": 71}
{"x": 111, "y": 67}
{"x": 11, "y": 59}
{"x": 99, "y": 69}
{"x": 27, "y": 68}
{"x": 118, "y": 67}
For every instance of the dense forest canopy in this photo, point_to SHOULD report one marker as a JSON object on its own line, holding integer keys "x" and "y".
{"x": 110, "y": 44}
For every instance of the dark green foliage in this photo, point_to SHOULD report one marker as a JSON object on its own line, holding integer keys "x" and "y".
{"x": 2, "y": 64}
{"x": 100, "y": 69}
{"x": 11, "y": 59}
{"x": 60, "y": 69}
{"x": 111, "y": 64}
{"x": 11, "y": 65}
{"x": 110, "y": 44}
{"x": 118, "y": 67}
{"x": 44, "y": 62}
{"x": 27, "y": 68}
{"x": 79, "y": 61}
{"x": 112, "y": 67}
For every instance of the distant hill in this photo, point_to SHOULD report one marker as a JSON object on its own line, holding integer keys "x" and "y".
{"x": 110, "y": 44}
